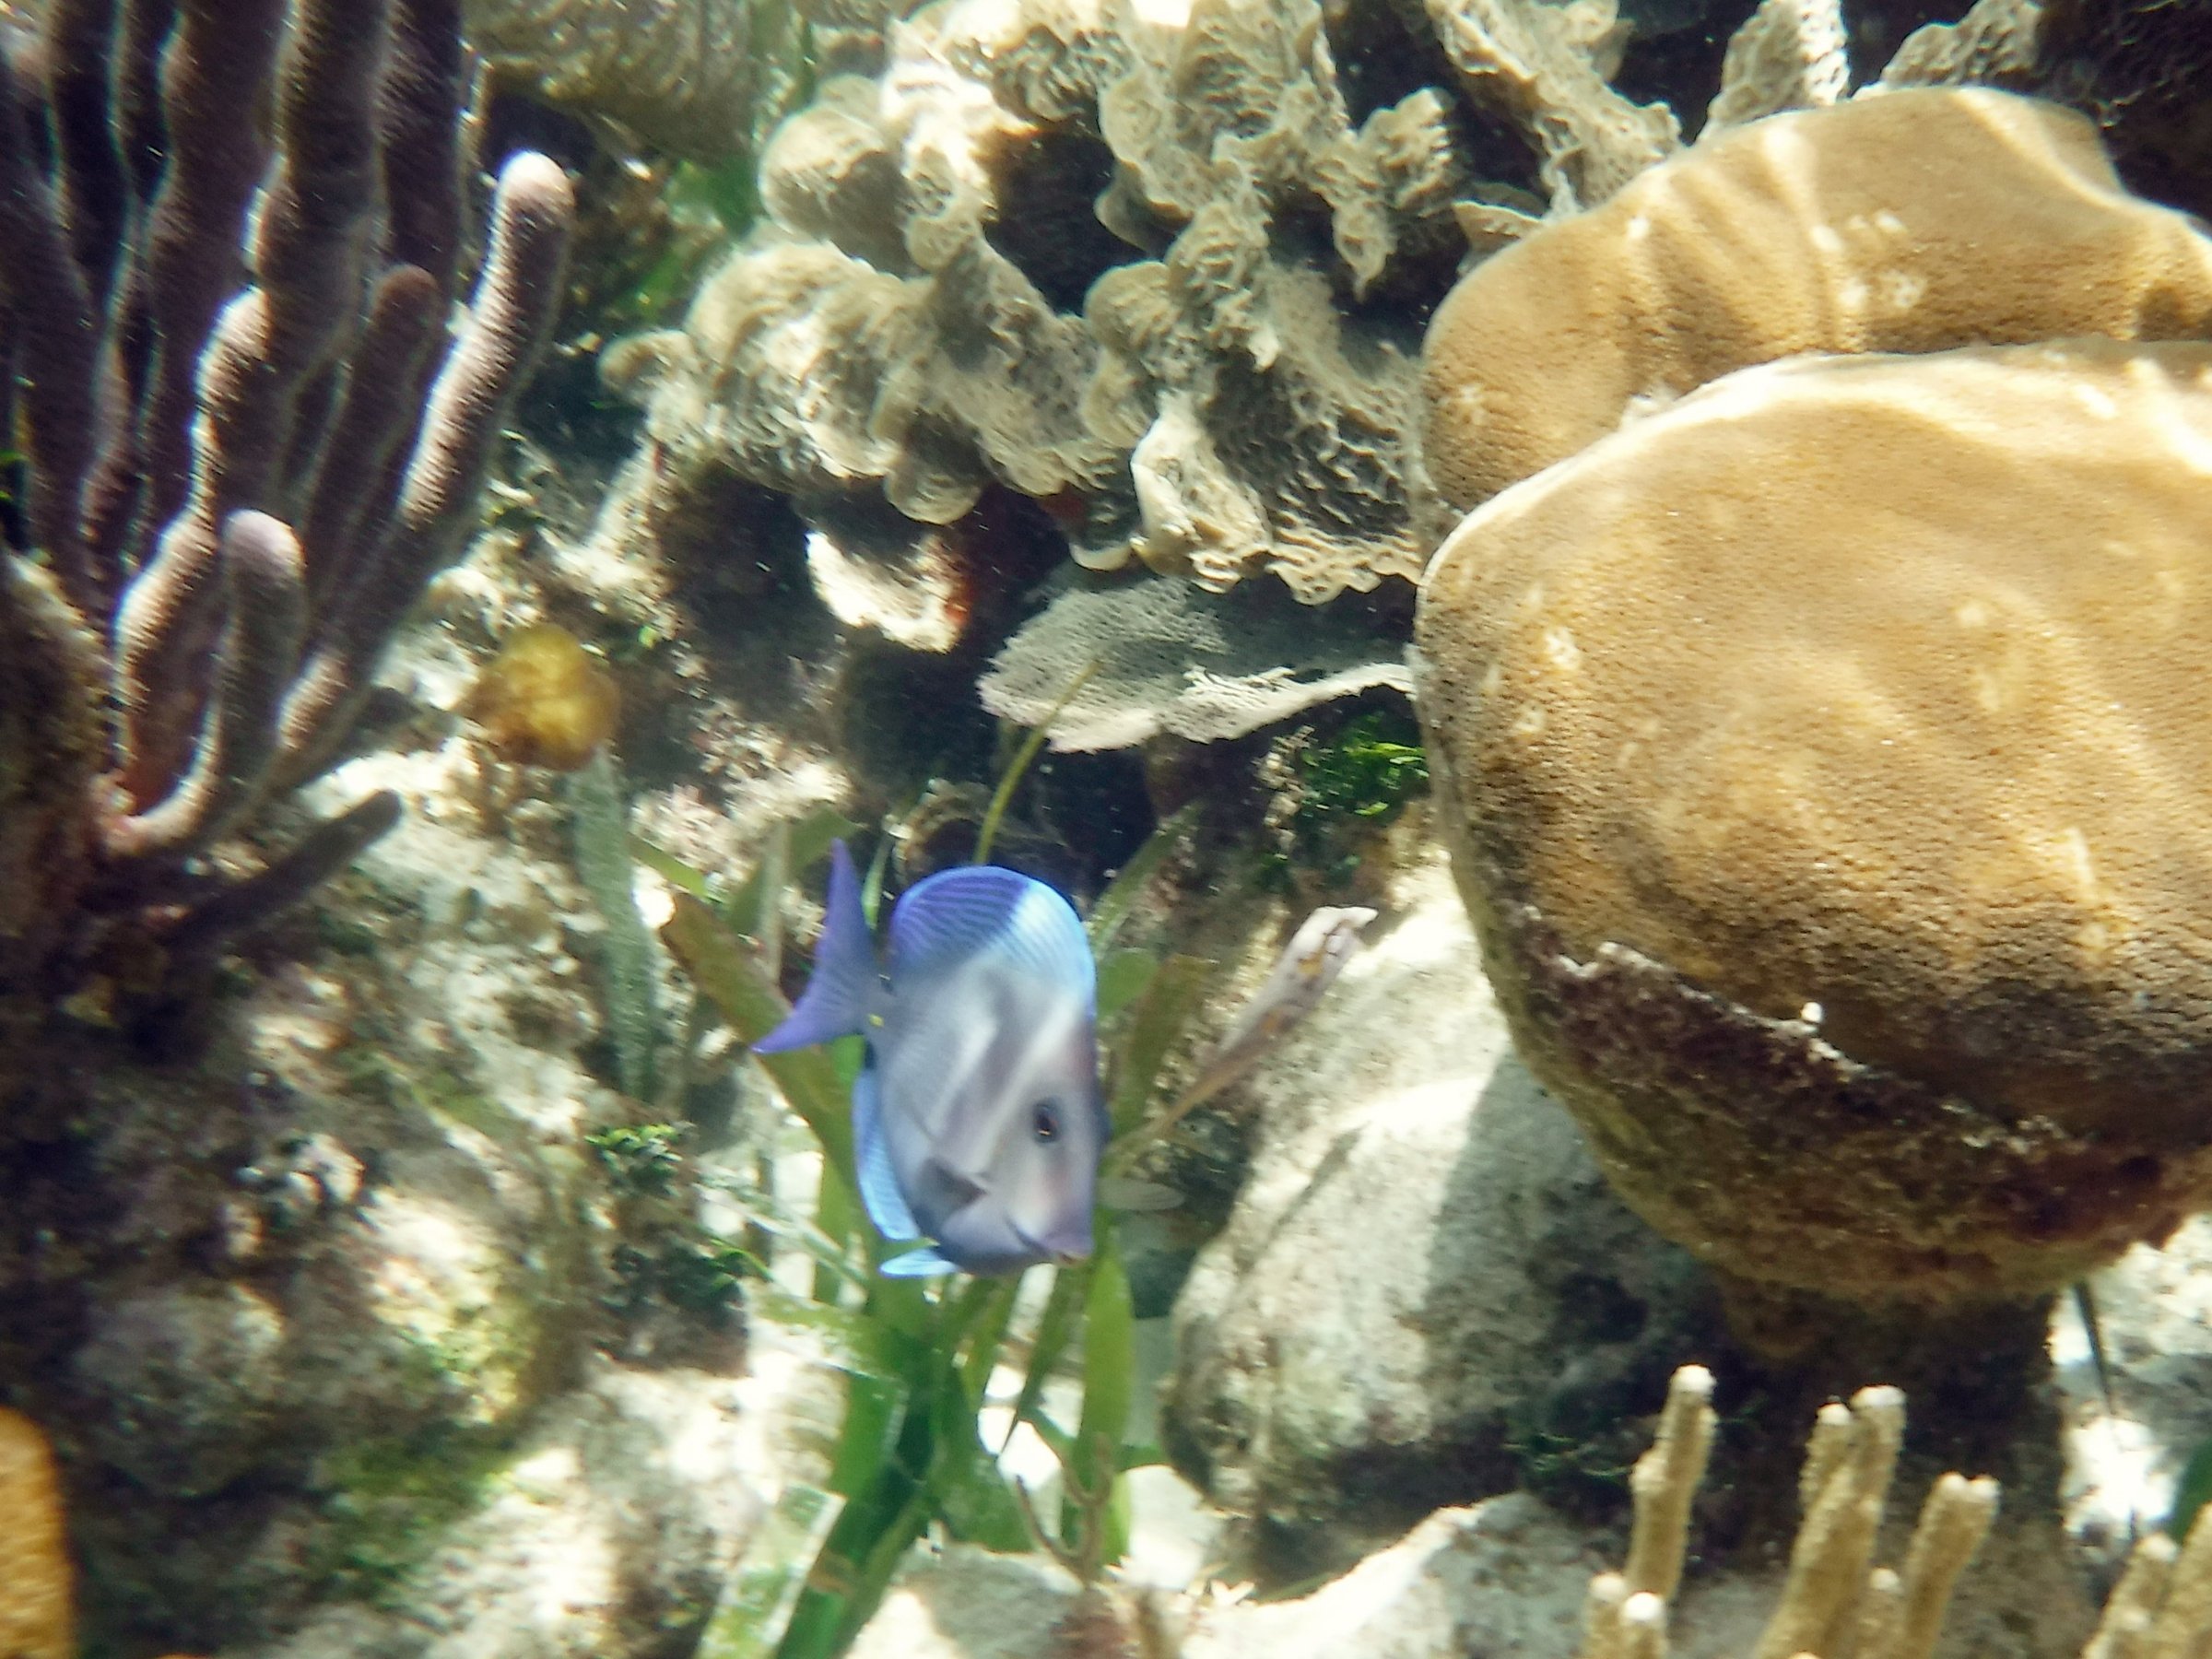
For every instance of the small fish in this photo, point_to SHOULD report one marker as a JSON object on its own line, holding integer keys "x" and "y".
{"x": 1309, "y": 965}
{"x": 977, "y": 1118}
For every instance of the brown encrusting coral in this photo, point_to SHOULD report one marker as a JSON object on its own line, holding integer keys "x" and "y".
{"x": 1828, "y": 783}
{"x": 225, "y": 273}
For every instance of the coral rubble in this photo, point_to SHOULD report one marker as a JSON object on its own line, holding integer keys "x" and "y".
{"x": 1827, "y": 793}
{"x": 246, "y": 453}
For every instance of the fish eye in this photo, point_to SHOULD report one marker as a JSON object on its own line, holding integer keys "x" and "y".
{"x": 1044, "y": 1121}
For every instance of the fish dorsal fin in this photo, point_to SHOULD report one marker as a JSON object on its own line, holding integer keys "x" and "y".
{"x": 955, "y": 916}
{"x": 836, "y": 1000}
{"x": 878, "y": 1184}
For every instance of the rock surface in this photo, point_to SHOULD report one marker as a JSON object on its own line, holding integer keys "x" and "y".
{"x": 315, "y": 1308}
{"x": 1504, "y": 1577}
{"x": 607, "y": 1530}
{"x": 1425, "y": 1276}
{"x": 2127, "y": 1453}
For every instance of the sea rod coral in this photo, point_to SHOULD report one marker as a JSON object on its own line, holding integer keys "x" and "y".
{"x": 228, "y": 247}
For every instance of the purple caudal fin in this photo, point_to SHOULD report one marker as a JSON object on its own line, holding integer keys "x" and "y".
{"x": 835, "y": 1002}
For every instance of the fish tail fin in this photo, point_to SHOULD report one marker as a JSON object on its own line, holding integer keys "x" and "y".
{"x": 835, "y": 1002}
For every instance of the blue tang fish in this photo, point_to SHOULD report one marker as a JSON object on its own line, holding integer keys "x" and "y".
{"x": 977, "y": 1118}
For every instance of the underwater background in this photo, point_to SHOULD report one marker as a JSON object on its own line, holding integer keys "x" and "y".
{"x": 1471, "y": 731}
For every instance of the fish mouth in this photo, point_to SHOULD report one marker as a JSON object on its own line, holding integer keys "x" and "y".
{"x": 1059, "y": 1255}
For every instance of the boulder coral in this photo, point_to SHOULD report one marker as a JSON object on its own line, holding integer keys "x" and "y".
{"x": 1828, "y": 768}
{"x": 1911, "y": 221}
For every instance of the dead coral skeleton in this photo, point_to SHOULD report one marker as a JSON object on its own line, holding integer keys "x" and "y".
{"x": 706, "y": 79}
{"x": 228, "y": 253}
{"x": 1834, "y": 1603}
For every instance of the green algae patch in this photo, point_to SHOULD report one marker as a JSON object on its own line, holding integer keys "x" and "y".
{"x": 1333, "y": 791}
{"x": 392, "y": 1499}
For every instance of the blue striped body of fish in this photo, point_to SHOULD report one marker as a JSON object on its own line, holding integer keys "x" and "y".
{"x": 977, "y": 1118}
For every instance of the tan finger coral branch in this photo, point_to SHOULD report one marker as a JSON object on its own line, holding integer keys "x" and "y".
{"x": 1665, "y": 1481}
{"x": 2126, "y": 1627}
{"x": 1601, "y": 1616}
{"x": 2183, "y": 1622}
{"x": 1953, "y": 1523}
{"x": 1829, "y": 1562}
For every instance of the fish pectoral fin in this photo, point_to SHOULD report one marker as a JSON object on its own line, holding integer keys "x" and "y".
{"x": 886, "y": 1205}
{"x": 918, "y": 1264}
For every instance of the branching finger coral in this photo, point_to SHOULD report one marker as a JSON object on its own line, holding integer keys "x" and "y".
{"x": 224, "y": 277}
{"x": 1834, "y": 1603}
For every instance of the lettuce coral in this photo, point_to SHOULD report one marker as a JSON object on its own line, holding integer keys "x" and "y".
{"x": 1164, "y": 654}
{"x": 1099, "y": 260}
